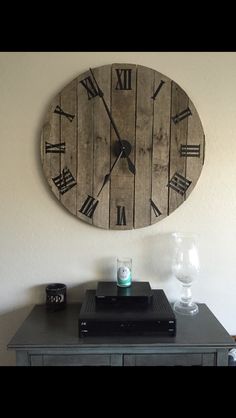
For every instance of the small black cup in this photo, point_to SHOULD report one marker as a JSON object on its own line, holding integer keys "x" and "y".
{"x": 56, "y": 296}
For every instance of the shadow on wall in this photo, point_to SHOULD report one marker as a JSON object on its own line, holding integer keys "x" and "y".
{"x": 159, "y": 251}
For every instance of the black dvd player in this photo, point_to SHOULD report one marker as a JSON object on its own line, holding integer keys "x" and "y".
{"x": 108, "y": 293}
{"x": 156, "y": 319}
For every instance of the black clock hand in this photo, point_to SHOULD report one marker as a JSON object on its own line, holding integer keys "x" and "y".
{"x": 101, "y": 94}
{"x": 108, "y": 176}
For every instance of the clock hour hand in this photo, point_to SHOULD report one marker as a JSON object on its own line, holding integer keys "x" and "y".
{"x": 131, "y": 166}
{"x": 108, "y": 176}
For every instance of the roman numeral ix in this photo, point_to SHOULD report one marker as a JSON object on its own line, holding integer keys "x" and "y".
{"x": 123, "y": 79}
{"x": 61, "y": 112}
{"x": 55, "y": 148}
{"x": 155, "y": 209}
{"x": 89, "y": 206}
{"x": 182, "y": 115}
{"x": 121, "y": 218}
{"x": 157, "y": 90}
{"x": 90, "y": 87}
{"x": 179, "y": 183}
{"x": 64, "y": 181}
{"x": 190, "y": 150}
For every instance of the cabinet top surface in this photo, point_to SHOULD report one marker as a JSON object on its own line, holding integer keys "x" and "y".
{"x": 59, "y": 329}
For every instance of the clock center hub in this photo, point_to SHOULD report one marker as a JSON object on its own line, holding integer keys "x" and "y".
{"x": 126, "y": 146}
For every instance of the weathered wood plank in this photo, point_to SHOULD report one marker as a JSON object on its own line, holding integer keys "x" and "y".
{"x": 161, "y": 143}
{"x": 143, "y": 149}
{"x": 85, "y": 172}
{"x": 68, "y": 136}
{"x": 51, "y": 135}
{"x": 179, "y": 131}
{"x": 195, "y": 137}
{"x": 123, "y": 105}
{"x": 102, "y": 147}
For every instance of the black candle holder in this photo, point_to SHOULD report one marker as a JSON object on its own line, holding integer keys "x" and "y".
{"x": 56, "y": 296}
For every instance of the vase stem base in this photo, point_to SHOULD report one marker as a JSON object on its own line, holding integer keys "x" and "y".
{"x": 186, "y": 308}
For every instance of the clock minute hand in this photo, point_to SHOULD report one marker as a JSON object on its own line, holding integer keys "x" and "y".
{"x": 101, "y": 94}
{"x": 108, "y": 176}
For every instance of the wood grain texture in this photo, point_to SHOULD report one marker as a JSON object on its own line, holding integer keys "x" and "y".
{"x": 51, "y": 134}
{"x": 123, "y": 105}
{"x": 68, "y": 135}
{"x": 102, "y": 147}
{"x": 85, "y": 162}
{"x": 179, "y": 132}
{"x": 143, "y": 148}
{"x": 195, "y": 137}
{"x": 161, "y": 143}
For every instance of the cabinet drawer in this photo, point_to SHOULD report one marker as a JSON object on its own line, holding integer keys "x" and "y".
{"x": 185, "y": 359}
{"x": 71, "y": 360}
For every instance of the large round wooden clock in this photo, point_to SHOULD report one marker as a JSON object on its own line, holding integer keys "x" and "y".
{"x": 122, "y": 146}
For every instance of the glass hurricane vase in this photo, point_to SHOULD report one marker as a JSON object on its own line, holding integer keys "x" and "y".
{"x": 185, "y": 267}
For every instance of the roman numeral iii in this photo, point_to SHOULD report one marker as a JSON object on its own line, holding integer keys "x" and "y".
{"x": 55, "y": 148}
{"x": 121, "y": 217}
{"x": 123, "y": 79}
{"x": 61, "y": 112}
{"x": 182, "y": 115}
{"x": 89, "y": 87}
{"x": 179, "y": 183}
{"x": 190, "y": 150}
{"x": 89, "y": 206}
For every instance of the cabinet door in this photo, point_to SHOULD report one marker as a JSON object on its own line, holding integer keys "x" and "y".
{"x": 76, "y": 360}
{"x": 185, "y": 359}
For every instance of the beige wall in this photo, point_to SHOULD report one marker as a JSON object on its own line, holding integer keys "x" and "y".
{"x": 40, "y": 242}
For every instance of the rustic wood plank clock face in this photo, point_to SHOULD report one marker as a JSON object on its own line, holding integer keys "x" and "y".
{"x": 122, "y": 146}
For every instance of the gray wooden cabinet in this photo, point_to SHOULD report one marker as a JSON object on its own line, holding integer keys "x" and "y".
{"x": 52, "y": 339}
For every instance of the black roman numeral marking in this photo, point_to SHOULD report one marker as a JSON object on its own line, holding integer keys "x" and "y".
{"x": 158, "y": 89}
{"x": 89, "y": 206}
{"x": 55, "y": 148}
{"x": 182, "y": 115}
{"x": 179, "y": 183}
{"x": 64, "y": 181}
{"x": 190, "y": 150}
{"x": 90, "y": 87}
{"x": 121, "y": 218}
{"x": 156, "y": 211}
{"x": 123, "y": 79}
{"x": 61, "y": 112}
